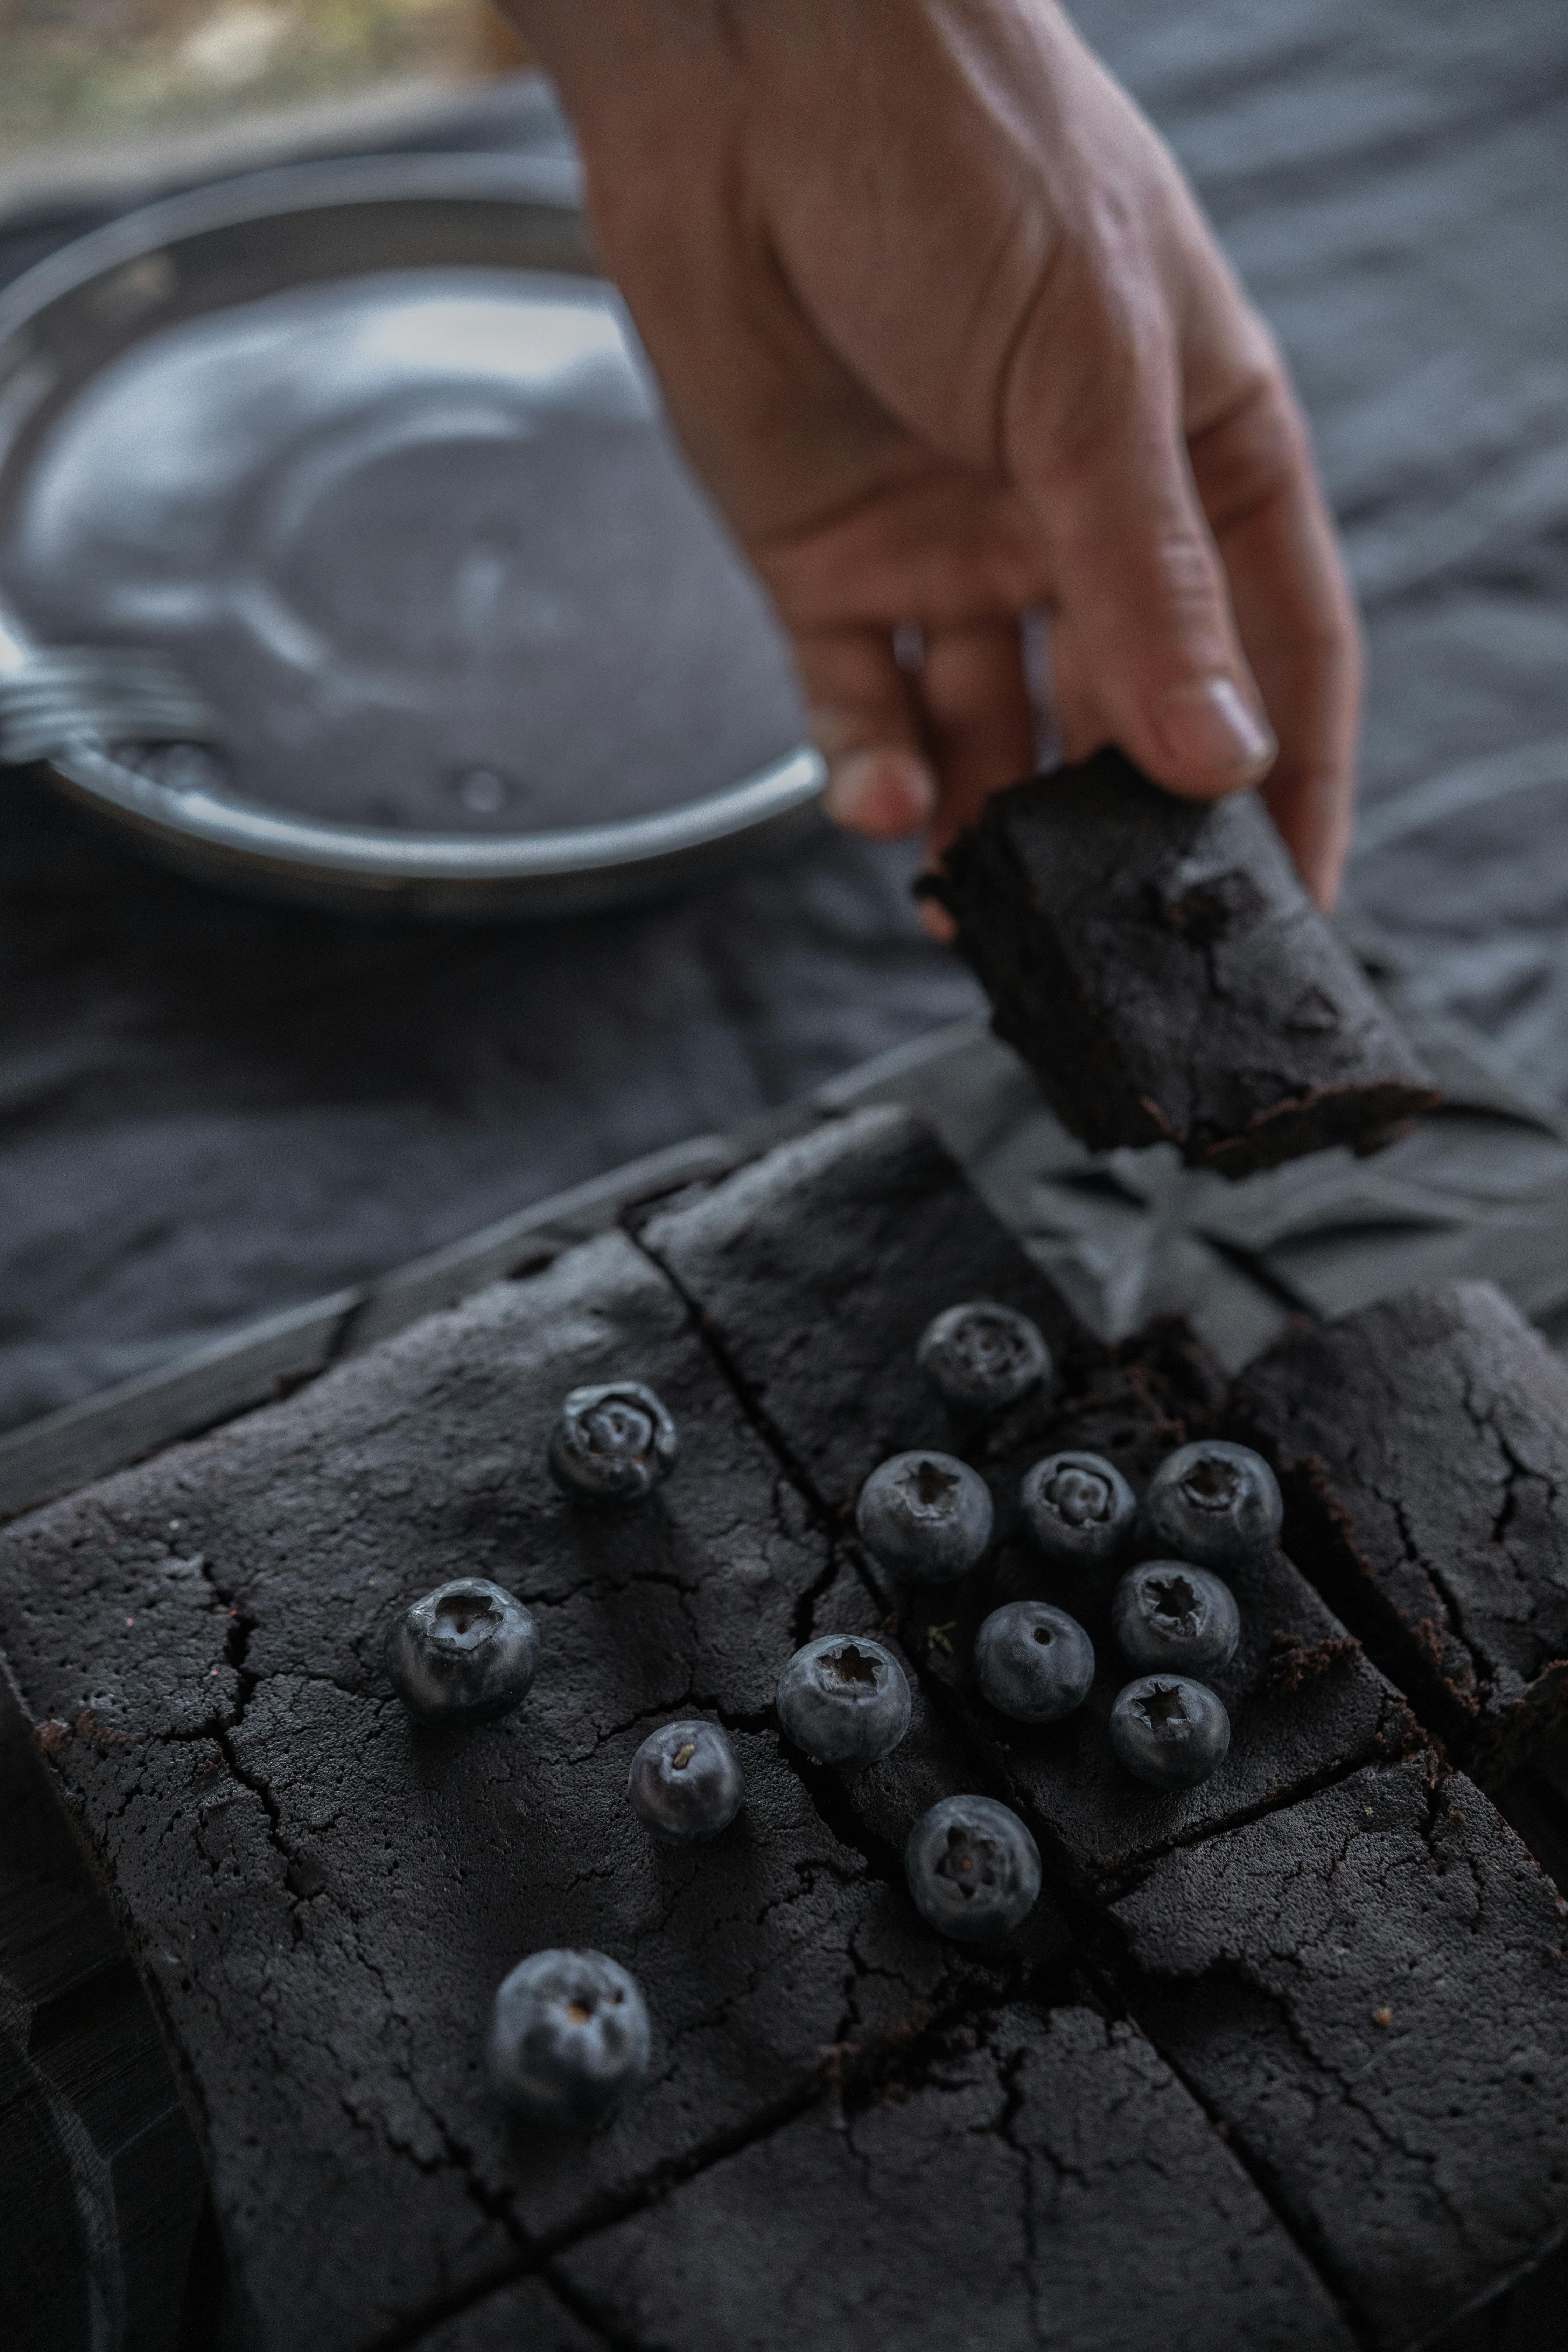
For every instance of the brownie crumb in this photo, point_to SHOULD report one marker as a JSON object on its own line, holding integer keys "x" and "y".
{"x": 1293, "y": 1662}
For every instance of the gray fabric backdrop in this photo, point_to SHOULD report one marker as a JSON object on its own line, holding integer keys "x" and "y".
{"x": 209, "y": 1109}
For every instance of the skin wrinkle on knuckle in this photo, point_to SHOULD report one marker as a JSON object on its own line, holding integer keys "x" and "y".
{"x": 1254, "y": 452}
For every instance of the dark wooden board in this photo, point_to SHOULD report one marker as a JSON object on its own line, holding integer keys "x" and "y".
{"x": 101, "y": 2184}
{"x": 1159, "y": 968}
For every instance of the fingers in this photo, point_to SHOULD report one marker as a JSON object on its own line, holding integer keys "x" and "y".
{"x": 1143, "y": 609}
{"x": 1296, "y": 620}
{"x": 894, "y": 768}
{"x": 1202, "y": 618}
{"x": 880, "y": 782}
{"x": 979, "y": 721}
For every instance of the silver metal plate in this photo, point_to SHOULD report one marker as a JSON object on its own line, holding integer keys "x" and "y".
{"x": 370, "y": 452}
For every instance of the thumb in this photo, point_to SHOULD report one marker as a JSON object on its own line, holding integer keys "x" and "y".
{"x": 1144, "y": 641}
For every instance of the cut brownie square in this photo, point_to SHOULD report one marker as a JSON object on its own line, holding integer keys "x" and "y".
{"x": 1159, "y": 968}
{"x": 1422, "y": 1448}
{"x": 1367, "y": 1989}
{"x": 1050, "y": 2184}
{"x": 815, "y": 1271}
{"x": 324, "y": 1896}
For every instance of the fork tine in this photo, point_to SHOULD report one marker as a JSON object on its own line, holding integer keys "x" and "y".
{"x": 103, "y": 693}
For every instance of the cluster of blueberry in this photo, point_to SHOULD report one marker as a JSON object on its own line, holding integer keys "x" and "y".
{"x": 569, "y": 2031}
{"x": 926, "y": 1518}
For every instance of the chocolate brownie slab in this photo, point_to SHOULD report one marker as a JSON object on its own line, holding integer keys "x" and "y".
{"x": 1052, "y": 2184}
{"x": 1159, "y": 968}
{"x": 1368, "y": 1990}
{"x": 324, "y": 1896}
{"x": 1422, "y": 1448}
{"x": 815, "y": 1272}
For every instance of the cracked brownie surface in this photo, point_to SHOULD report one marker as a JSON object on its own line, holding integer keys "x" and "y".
{"x": 1048, "y": 2182}
{"x": 1368, "y": 1990}
{"x": 323, "y": 1895}
{"x": 811, "y": 1223}
{"x": 815, "y": 1273}
{"x": 1424, "y": 1446}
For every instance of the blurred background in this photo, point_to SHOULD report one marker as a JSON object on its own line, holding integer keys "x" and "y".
{"x": 83, "y": 78}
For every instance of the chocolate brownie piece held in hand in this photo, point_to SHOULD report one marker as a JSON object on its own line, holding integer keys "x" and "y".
{"x": 1368, "y": 1990}
{"x": 1423, "y": 1445}
{"x": 1040, "y": 2182}
{"x": 1159, "y": 968}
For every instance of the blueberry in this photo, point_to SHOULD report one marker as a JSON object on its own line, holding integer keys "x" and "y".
{"x": 1033, "y": 1662}
{"x": 925, "y": 1517}
{"x": 1169, "y": 1732}
{"x": 614, "y": 1443}
{"x": 1214, "y": 1503}
{"x": 972, "y": 1868}
{"x": 1175, "y": 1619}
{"x": 1080, "y": 1509}
{"x": 685, "y": 1782}
{"x": 981, "y": 1357}
{"x": 844, "y": 1699}
{"x": 466, "y": 1652}
{"x": 569, "y": 2035}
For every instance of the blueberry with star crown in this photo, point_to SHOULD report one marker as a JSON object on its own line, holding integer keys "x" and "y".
{"x": 973, "y": 1870}
{"x": 845, "y": 1699}
{"x": 1213, "y": 1503}
{"x": 925, "y": 1518}
{"x": 1169, "y": 1732}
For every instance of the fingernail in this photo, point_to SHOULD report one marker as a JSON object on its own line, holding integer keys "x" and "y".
{"x": 882, "y": 792}
{"x": 1207, "y": 729}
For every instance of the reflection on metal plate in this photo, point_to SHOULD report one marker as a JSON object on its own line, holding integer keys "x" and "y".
{"x": 372, "y": 453}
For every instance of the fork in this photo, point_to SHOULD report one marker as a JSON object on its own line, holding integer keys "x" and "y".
{"x": 52, "y": 695}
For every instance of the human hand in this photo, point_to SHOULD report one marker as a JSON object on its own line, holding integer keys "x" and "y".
{"x": 940, "y": 323}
